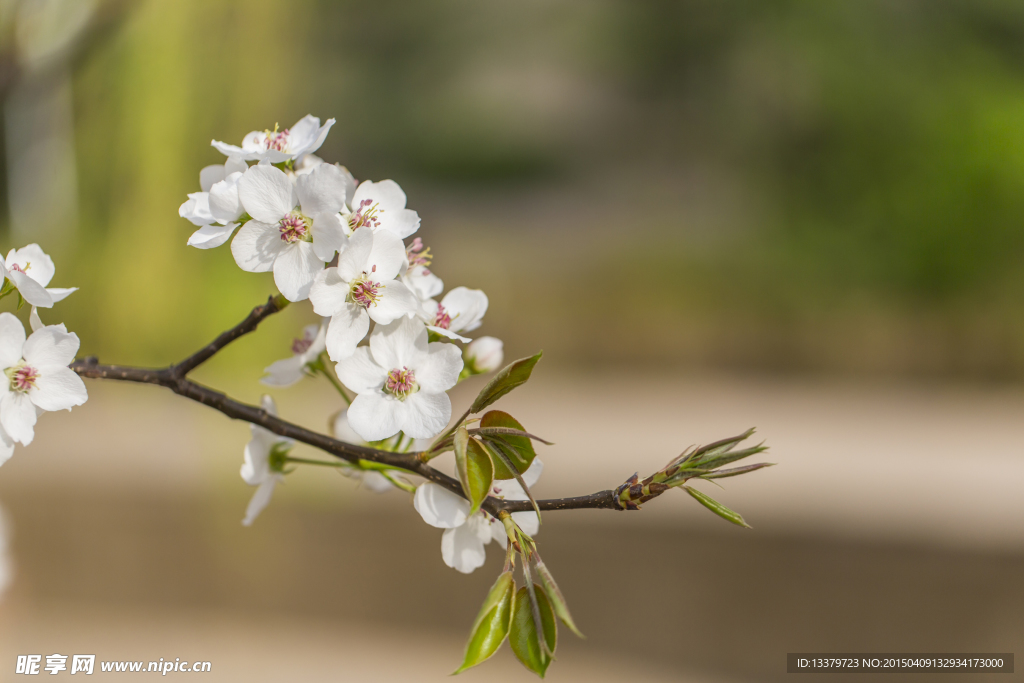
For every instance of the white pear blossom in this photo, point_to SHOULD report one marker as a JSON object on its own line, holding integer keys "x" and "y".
{"x": 310, "y": 161}
{"x": 362, "y": 288}
{"x": 38, "y": 378}
{"x": 465, "y": 535}
{"x": 461, "y": 310}
{"x": 277, "y": 146}
{"x": 484, "y": 354}
{"x": 216, "y": 209}
{"x": 400, "y": 381}
{"x": 296, "y": 228}
{"x": 305, "y": 350}
{"x": 417, "y": 277}
{"x": 29, "y": 270}
{"x": 371, "y": 479}
{"x": 381, "y": 206}
{"x": 257, "y": 470}
{"x": 422, "y": 282}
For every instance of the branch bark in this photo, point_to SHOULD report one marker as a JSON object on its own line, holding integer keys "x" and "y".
{"x": 174, "y": 377}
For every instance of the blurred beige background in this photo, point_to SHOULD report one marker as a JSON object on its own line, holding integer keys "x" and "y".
{"x": 892, "y": 522}
{"x": 807, "y": 218}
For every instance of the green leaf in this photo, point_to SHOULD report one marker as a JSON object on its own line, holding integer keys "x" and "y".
{"x": 503, "y": 453}
{"x": 521, "y": 454}
{"x": 721, "y": 474}
{"x": 555, "y": 597}
{"x": 492, "y": 623}
{"x": 716, "y": 507}
{"x": 507, "y": 379}
{"x": 476, "y": 472}
{"x": 716, "y": 461}
{"x": 523, "y": 634}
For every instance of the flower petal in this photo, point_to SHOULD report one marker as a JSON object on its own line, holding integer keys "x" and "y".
{"x": 266, "y": 193}
{"x": 256, "y": 246}
{"x": 33, "y": 261}
{"x": 438, "y": 369}
{"x": 387, "y": 256}
{"x": 374, "y": 481}
{"x": 532, "y": 474}
{"x": 328, "y": 235}
{"x": 346, "y": 329}
{"x": 423, "y": 282}
{"x": 196, "y": 209}
{"x": 448, "y": 334}
{"x": 400, "y": 222}
{"x": 211, "y": 175}
{"x": 466, "y": 307}
{"x": 18, "y": 416}
{"x": 260, "y": 499}
{"x": 60, "y": 293}
{"x": 322, "y": 191}
{"x": 12, "y": 340}
{"x": 360, "y": 373}
{"x": 52, "y": 346}
{"x": 231, "y": 151}
{"x": 295, "y": 269}
{"x": 395, "y": 301}
{"x": 58, "y": 389}
{"x": 426, "y": 414}
{"x": 30, "y": 290}
{"x": 375, "y": 417}
{"x": 387, "y": 193}
{"x": 439, "y": 507}
{"x": 313, "y": 144}
{"x": 210, "y": 236}
{"x": 462, "y": 548}
{"x": 225, "y": 205}
{"x": 354, "y": 260}
{"x": 398, "y": 344}
{"x": 235, "y": 164}
{"x": 284, "y": 373}
{"x": 303, "y": 133}
{"x": 329, "y": 293}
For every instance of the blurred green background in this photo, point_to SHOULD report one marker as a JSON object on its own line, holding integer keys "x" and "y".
{"x": 828, "y": 186}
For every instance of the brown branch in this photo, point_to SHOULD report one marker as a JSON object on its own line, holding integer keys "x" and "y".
{"x": 251, "y": 322}
{"x": 174, "y": 378}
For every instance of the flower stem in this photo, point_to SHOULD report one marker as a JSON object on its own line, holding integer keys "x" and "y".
{"x": 404, "y": 485}
{"x": 321, "y": 365}
{"x": 323, "y": 463}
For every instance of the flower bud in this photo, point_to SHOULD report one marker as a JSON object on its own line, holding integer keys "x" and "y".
{"x": 485, "y": 354}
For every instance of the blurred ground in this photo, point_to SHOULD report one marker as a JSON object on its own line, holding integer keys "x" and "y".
{"x": 891, "y": 523}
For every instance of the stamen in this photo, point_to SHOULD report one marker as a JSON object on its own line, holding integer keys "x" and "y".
{"x": 365, "y": 215}
{"x": 300, "y": 346}
{"x": 417, "y": 254}
{"x": 294, "y": 228}
{"x": 365, "y": 292}
{"x": 442, "y": 319}
{"x": 275, "y": 139}
{"x": 22, "y": 377}
{"x": 401, "y": 383}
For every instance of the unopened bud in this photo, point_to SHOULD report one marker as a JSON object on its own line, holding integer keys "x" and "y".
{"x": 485, "y": 354}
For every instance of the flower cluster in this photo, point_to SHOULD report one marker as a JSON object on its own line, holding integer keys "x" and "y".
{"x": 36, "y": 366}
{"x": 349, "y": 248}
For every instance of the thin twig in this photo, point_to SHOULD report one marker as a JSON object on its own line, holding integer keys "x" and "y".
{"x": 174, "y": 378}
